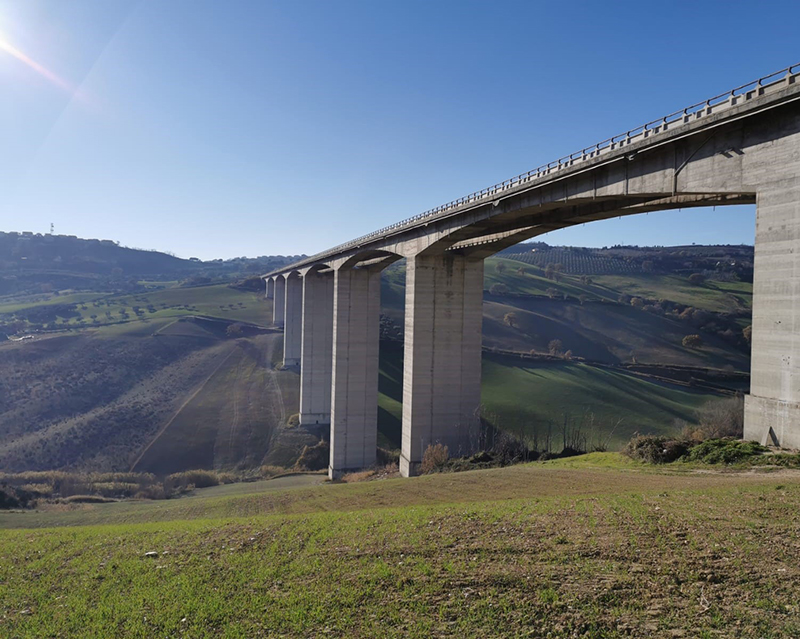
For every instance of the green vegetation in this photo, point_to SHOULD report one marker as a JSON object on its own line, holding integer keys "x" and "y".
{"x": 724, "y": 451}
{"x": 536, "y": 549}
{"x": 608, "y": 405}
{"x": 535, "y": 398}
{"x": 713, "y": 296}
{"x": 194, "y": 365}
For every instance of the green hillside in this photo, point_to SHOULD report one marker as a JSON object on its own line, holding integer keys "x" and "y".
{"x": 714, "y": 296}
{"x": 534, "y": 397}
{"x": 85, "y": 310}
{"x": 152, "y": 379}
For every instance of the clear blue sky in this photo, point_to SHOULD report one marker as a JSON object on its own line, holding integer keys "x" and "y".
{"x": 220, "y": 129}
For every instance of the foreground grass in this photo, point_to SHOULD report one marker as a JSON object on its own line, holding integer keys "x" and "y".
{"x": 528, "y": 551}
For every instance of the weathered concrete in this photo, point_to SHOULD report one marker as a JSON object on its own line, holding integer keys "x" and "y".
{"x": 442, "y": 361}
{"x": 354, "y": 394}
{"x": 278, "y": 306}
{"x": 293, "y": 320}
{"x": 316, "y": 367}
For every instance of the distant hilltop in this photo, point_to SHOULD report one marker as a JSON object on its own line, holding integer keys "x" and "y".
{"x": 29, "y": 261}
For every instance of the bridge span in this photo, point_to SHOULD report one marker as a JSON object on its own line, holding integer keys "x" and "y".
{"x": 739, "y": 147}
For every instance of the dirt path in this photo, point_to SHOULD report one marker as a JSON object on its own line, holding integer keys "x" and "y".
{"x": 186, "y": 402}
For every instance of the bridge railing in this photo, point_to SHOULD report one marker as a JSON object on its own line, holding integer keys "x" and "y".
{"x": 668, "y": 122}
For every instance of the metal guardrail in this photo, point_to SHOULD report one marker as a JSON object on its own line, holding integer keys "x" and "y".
{"x": 689, "y": 114}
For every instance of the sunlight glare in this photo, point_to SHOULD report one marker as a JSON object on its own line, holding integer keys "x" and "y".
{"x": 19, "y": 55}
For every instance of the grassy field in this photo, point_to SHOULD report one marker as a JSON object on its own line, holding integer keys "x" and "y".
{"x": 163, "y": 303}
{"x": 538, "y": 550}
{"x": 711, "y": 296}
{"x": 21, "y": 302}
{"x": 228, "y": 421}
{"x": 529, "y": 395}
{"x": 525, "y": 396}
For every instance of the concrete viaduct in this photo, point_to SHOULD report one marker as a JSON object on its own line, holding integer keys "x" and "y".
{"x": 740, "y": 147}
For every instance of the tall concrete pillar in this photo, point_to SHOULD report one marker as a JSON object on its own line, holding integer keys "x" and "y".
{"x": 442, "y": 360}
{"x": 316, "y": 359}
{"x": 354, "y": 389}
{"x": 772, "y": 410}
{"x": 278, "y": 305}
{"x": 293, "y": 320}
{"x": 270, "y": 288}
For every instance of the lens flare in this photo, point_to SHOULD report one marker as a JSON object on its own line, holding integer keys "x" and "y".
{"x": 19, "y": 55}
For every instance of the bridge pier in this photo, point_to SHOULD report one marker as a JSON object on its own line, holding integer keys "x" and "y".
{"x": 772, "y": 410}
{"x": 316, "y": 358}
{"x": 442, "y": 359}
{"x": 354, "y": 391}
{"x": 293, "y": 320}
{"x": 270, "y": 288}
{"x": 279, "y": 301}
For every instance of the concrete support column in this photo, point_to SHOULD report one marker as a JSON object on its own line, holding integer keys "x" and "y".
{"x": 278, "y": 306}
{"x": 354, "y": 390}
{"x": 293, "y": 320}
{"x": 316, "y": 360}
{"x": 270, "y": 288}
{"x": 772, "y": 410}
{"x": 442, "y": 360}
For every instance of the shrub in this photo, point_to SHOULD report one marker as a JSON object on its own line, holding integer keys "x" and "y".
{"x": 88, "y": 499}
{"x": 697, "y": 279}
{"x": 656, "y": 449}
{"x": 268, "y": 471}
{"x": 155, "y": 491}
{"x": 434, "y": 459}
{"x": 386, "y": 457}
{"x": 692, "y": 341}
{"x": 361, "y": 475}
{"x": 725, "y": 451}
{"x": 8, "y": 499}
{"x": 316, "y": 457}
{"x": 189, "y": 479}
{"x": 721, "y": 418}
{"x": 498, "y": 289}
{"x": 509, "y": 448}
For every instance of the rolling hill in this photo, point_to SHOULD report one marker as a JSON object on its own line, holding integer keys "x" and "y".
{"x": 167, "y": 377}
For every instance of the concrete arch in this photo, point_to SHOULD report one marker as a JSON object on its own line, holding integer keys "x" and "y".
{"x": 379, "y": 258}
{"x": 482, "y": 240}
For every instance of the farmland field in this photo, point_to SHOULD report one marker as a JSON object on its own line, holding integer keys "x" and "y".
{"x": 530, "y": 397}
{"x": 537, "y": 550}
